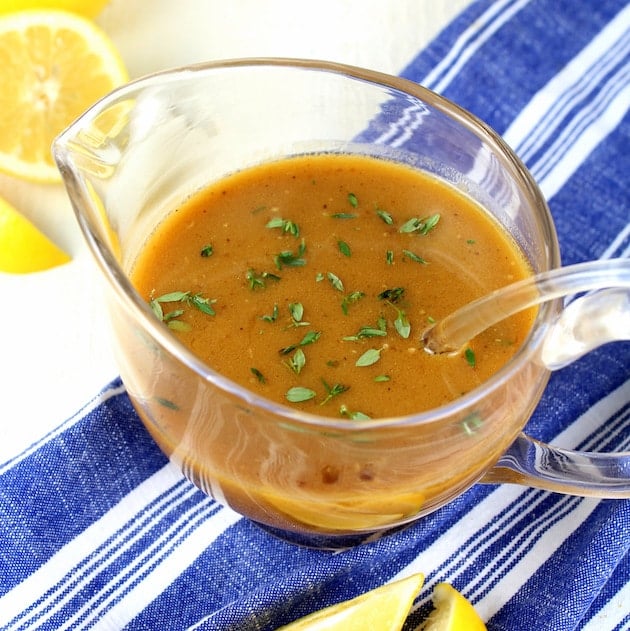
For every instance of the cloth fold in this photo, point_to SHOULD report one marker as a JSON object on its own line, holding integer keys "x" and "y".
{"x": 98, "y": 530}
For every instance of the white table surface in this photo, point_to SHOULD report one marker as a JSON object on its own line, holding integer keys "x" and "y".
{"x": 55, "y": 352}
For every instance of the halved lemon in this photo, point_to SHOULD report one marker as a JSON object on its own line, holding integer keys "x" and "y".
{"x": 88, "y": 8}
{"x": 452, "y": 612}
{"x": 53, "y": 66}
{"x": 384, "y": 608}
{"x": 23, "y": 248}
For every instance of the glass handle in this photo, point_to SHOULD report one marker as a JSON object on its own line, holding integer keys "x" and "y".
{"x": 536, "y": 464}
{"x": 586, "y": 323}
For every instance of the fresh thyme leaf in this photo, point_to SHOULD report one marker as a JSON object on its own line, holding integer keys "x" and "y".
{"x": 381, "y": 323}
{"x": 202, "y": 304}
{"x": 469, "y": 354}
{"x": 178, "y": 325}
{"x": 414, "y": 257}
{"x": 335, "y": 281}
{"x": 274, "y": 315}
{"x": 371, "y": 356}
{"x": 289, "y": 259}
{"x": 382, "y": 378}
{"x": 319, "y": 277}
{"x": 344, "y": 216}
{"x": 421, "y": 226}
{"x": 197, "y": 301}
{"x": 156, "y": 307}
{"x": 309, "y": 338}
{"x": 286, "y": 225}
{"x": 207, "y": 250}
{"x": 258, "y": 280}
{"x": 344, "y": 248}
{"x": 297, "y": 362}
{"x": 296, "y": 309}
{"x": 430, "y": 223}
{"x": 385, "y": 216}
{"x": 258, "y": 375}
{"x": 333, "y": 391}
{"x": 366, "y": 332}
{"x": 355, "y": 296}
{"x": 352, "y": 200}
{"x": 172, "y": 314}
{"x": 401, "y": 324}
{"x": 392, "y": 295}
{"x": 389, "y": 257}
{"x": 355, "y": 416}
{"x": 173, "y": 296}
{"x": 299, "y": 394}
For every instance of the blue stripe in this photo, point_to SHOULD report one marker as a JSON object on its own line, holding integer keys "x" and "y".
{"x": 70, "y": 482}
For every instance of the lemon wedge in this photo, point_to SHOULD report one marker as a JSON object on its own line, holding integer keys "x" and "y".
{"x": 23, "y": 248}
{"x": 384, "y": 608}
{"x": 87, "y": 8}
{"x": 53, "y": 66}
{"x": 452, "y": 612}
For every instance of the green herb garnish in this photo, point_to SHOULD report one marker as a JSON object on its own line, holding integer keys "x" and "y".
{"x": 366, "y": 332}
{"x": 274, "y": 315}
{"x": 414, "y": 257}
{"x": 197, "y": 301}
{"x": 309, "y": 338}
{"x": 351, "y": 298}
{"x": 285, "y": 225}
{"x": 392, "y": 295}
{"x": 343, "y": 216}
{"x": 296, "y": 309}
{"x": 352, "y": 200}
{"x": 259, "y": 280}
{"x": 421, "y": 226}
{"x": 207, "y": 250}
{"x": 371, "y": 356}
{"x": 389, "y": 257}
{"x": 385, "y": 216}
{"x": 355, "y": 416}
{"x": 299, "y": 394}
{"x": 258, "y": 375}
{"x": 344, "y": 248}
{"x": 297, "y": 362}
{"x": 382, "y": 378}
{"x": 287, "y": 258}
{"x": 333, "y": 391}
{"x": 469, "y": 354}
{"x": 335, "y": 281}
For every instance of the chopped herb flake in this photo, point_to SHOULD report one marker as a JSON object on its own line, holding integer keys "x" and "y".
{"x": 258, "y": 375}
{"x": 335, "y": 281}
{"x": 285, "y": 225}
{"x": 414, "y": 257}
{"x": 469, "y": 354}
{"x": 207, "y": 250}
{"x": 299, "y": 394}
{"x": 352, "y": 200}
{"x": 333, "y": 391}
{"x": 344, "y": 248}
{"x": 385, "y": 216}
{"x": 371, "y": 356}
{"x": 289, "y": 259}
{"x": 354, "y": 416}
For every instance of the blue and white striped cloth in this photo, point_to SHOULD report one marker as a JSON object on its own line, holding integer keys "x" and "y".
{"x": 97, "y": 529}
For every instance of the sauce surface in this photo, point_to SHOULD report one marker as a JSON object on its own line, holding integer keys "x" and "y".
{"x": 310, "y": 280}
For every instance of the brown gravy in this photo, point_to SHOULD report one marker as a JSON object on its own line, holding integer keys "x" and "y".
{"x": 318, "y": 274}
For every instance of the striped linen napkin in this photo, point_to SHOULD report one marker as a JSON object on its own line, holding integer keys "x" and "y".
{"x": 98, "y": 530}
